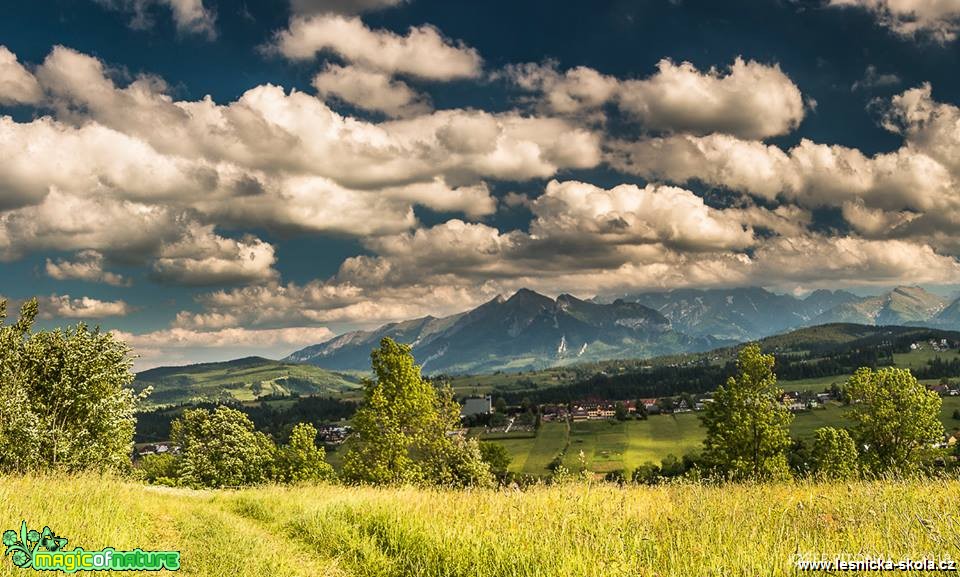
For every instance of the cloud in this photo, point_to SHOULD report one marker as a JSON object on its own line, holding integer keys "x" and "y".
{"x": 200, "y": 257}
{"x": 873, "y": 79}
{"x": 461, "y": 265}
{"x": 583, "y": 238}
{"x": 178, "y": 345}
{"x": 17, "y": 84}
{"x": 930, "y": 127}
{"x": 189, "y": 16}
{"x": 63, "y": 222}
{"x": 369, "y": 90}
{"x": 423, "y": 52}
{"x": 306, "y": 7}
{"x": 270, "y": 130}
{"x": 810, "y": 174}
{"x": 749, "y": 99}
{"x": 65, "y": 307}
{"x": 569, "y": 92}
{"x": 184, "y": 338}
{"x": 628, "y": 214}
{"x": 858, "y": 261}
{"x": 936, "y": 19}
{"x": 125, "y": 170}
{"x": 88, "y": 266}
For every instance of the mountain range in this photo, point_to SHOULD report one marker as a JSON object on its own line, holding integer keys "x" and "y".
{"x": 745, "y": 314}
{"x": 526, "y": 331}
{"x": 532, "y": 331}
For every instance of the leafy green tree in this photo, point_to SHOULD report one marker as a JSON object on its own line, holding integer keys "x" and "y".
{"x": 620, "y": 412}
{"x": 221, "y": 449}
{"x": 300, "y": 460}
{"x": 405, "y": 430}
{"x": 799, "y": 458}
{"x": 496, "y": 457}
{"x": 64, "y": 397}
{"x": 834, "y": 454}
{"x": 747, "y": 425}
{"x": 647, "y": 473}
{"x": 500, "y": 405}
{"x": 896, "y": 419}
{"x": 160, "y": 469}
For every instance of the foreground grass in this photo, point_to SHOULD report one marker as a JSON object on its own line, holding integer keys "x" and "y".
{"x": 575, "y": 530}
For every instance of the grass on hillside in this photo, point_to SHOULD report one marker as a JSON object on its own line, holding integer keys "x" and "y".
{"x": 570, "y": 530}
{"x": 241, "y": 380}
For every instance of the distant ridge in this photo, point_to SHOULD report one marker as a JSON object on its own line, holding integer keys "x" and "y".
{"x": 525, "y": 331}
{"x": 238, "y": 380}
{"x": 531, "y": 331}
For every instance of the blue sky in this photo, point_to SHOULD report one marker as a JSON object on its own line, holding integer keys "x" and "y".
{"x": 214, "y": 178}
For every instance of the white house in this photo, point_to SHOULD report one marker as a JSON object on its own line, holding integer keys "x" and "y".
{"x": 476, "y": 406}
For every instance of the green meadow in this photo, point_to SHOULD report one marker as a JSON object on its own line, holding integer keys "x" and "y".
{"x": 595, "y": 530}
{"x": 613, "y": 445}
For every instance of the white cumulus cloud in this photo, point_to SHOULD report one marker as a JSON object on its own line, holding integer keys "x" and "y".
{"x": 422, "y": 52}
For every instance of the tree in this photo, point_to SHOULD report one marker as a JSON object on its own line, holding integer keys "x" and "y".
{"x": 747, "y": 425}
{"x": 405, "y": 430}
{"x": 221, "y": 449}
{"x": 160, "y": 469}
{"x": 834, "y": 454}
{"x": 896, "y": 419}
{"x": 64, "y": 397}
{"x": 620, "y": 411}
{"x": 496, "y": 457}
{"x": 618, "y": 476}
{"x": 799, "y": 458}
{"x": 642, "y": 412}
{"x": 300, "y": 460}
{"x": 500, "y": 405}
{"x": 665, "y": 404}
{"x": 647, "y": 474}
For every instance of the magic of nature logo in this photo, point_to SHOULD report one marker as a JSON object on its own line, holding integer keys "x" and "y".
{"x": 45, "y": 551}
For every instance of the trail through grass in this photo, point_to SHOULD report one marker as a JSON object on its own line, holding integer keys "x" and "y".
{"x": 572, "y": 530}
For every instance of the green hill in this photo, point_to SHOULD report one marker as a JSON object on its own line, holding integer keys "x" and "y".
{"x": 239, "y": 380}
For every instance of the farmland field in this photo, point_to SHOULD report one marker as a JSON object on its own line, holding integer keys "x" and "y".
{"x": 675, "y": 530}
{"x": 612, "y": 445}
{"x": 917, "y": 359}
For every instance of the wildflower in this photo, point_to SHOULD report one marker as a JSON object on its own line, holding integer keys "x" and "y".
{"x": 33, "y": 535}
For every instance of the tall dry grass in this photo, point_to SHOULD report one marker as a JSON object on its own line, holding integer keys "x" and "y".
{"x": 570, "y": 530}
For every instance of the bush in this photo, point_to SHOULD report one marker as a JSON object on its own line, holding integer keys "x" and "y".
{"x": 222, "y": 449}
{"x": 300, "y": 460}
{"x": 64, "y": 397}
{"x": 834, "y": 454}
{"x": 646, "y": 474}
{"x": 496, "y": 456}
{"x": 160, "y": 469}
{"x": 618, "y": 476}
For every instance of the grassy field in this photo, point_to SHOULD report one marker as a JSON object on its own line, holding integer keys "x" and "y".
{"x": 240, "y": 380}
{"x": 612, "y": 445}
{"x": 917, "y": 359}
{"x": 570, "y": 530}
